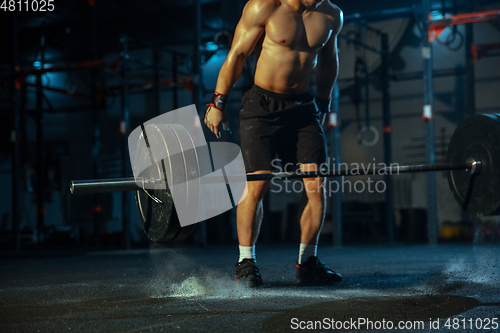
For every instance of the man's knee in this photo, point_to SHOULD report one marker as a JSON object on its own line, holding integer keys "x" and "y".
{"x": 257, "y": 190}
{"x": 315, "y": 190}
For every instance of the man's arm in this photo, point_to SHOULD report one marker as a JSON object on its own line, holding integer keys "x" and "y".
{"x": 327, "y": 68}
{"x": 247, "y": 34}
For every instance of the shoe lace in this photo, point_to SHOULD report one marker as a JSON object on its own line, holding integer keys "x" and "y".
{"x": 245, "y": 269}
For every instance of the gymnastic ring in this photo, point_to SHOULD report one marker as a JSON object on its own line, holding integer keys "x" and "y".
{"x": 219, "y": 39}
{"x": 361, "y": 136}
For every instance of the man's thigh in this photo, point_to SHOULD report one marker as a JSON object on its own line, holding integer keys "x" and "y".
{"x": 257, "y": 147}
{"x": 303, "y": 142}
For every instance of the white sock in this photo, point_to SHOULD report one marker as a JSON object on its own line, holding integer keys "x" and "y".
{"x": 306, "y": 251}
{"x": 247, "y": 252}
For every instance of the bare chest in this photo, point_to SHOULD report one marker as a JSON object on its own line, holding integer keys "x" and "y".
{"x": 303, "y": 32}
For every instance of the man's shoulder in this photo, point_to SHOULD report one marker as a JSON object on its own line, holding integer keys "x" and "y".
{"x": 331, "y": 8}
{"x": 260, "y": 9}
{"x": 263, "y": 4}
{"x": 335, "y": 12}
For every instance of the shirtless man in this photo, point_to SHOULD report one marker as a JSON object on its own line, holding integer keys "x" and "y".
{"x": 279, "y": 117}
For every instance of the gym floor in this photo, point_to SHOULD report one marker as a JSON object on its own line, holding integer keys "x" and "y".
{"x": 191, "y": 289}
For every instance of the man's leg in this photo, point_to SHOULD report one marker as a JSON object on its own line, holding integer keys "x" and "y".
{"x": 248, "y": 219}
{"x": 250, "y": 210}
{"x": 311, "y": 270}
{"x": 313, "y": 214}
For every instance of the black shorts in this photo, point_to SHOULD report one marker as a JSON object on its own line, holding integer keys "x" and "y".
{"x": 279, "y": 127}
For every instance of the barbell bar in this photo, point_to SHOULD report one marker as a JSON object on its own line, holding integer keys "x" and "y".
{"x": 132, "y": 184}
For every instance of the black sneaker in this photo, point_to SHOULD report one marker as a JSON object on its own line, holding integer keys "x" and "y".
{"x": 314, "y": 272}
{"x": 247, "y": 273}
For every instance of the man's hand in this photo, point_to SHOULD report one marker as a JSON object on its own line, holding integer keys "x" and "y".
{"x": 324, "y": 106}
{"x": 214, "y": 118}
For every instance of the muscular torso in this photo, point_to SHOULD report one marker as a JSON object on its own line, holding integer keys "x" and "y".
{"x": 290, "y": 49}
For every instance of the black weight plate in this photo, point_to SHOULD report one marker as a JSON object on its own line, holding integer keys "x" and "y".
{"x": 192, "y": 183}
{"x": 477, "y": 137}
{"x": 159, "y": 220}
{"x": 155, "y": 218}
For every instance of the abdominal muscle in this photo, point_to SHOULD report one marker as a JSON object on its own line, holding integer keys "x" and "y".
{"x": 283, "y": 70}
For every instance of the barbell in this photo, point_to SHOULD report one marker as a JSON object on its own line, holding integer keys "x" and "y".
{"x": 473, "y": 171}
